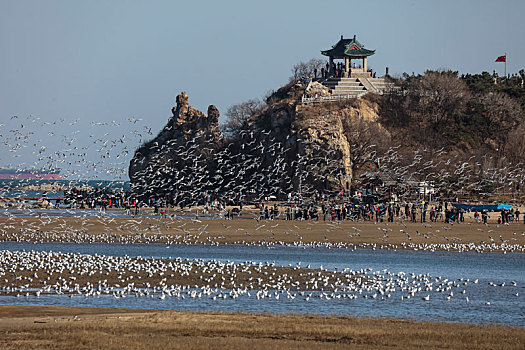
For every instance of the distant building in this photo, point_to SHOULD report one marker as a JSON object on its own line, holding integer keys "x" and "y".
{"x": 349, "y": 79}
{"x": 22, "y": 174}
{"x": 348, "y": 50}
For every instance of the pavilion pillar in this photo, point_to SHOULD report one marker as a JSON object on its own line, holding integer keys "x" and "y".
{"x": 331, "y": 68}
{"x": 347, "y": 66}
{"x": 364, "y": 64}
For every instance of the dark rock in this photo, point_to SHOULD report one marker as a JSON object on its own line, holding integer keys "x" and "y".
{"x": 286, "y": 148}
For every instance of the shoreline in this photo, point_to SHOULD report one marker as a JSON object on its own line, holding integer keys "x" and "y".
{"x": 24, "y": 327}
{"x": 399, "y": 235}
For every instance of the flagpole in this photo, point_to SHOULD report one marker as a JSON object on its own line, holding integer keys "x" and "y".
{"x": 505, "y": 66}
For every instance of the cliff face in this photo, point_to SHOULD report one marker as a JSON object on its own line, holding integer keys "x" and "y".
{"x": 287, "y": 148}
{"x": 190, "y": 138}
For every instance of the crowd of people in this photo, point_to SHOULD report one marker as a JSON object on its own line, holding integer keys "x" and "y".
{"x": 414, "y": 212}
{"x": 318, "y": 208}
{"x": 337, "y": 71}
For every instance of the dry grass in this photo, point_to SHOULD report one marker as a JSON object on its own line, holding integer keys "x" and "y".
{"x": 81, "y": 328}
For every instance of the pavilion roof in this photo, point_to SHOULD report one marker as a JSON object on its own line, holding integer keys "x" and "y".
{"x": 348, "y": 47}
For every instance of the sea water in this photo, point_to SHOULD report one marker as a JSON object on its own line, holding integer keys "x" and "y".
{"x": 505, "y": 307}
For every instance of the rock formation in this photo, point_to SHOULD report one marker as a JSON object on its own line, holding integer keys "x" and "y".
{"x": 287, "y": 148}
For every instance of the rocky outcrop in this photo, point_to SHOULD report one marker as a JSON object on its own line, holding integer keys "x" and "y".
{"x": 315, "y": 89}
{"x": 190, "y": 136}
{"x": 287, "y": 148}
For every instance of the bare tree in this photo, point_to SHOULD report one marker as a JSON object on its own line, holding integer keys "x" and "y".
{"x": 367, "y": 140}
{"x": 307, "y": 69}
{"x": 504, "y": 114}
{"x": 438, "y": 95}
{"x": 515, "y": 149}
{"x": 238, "y": 114}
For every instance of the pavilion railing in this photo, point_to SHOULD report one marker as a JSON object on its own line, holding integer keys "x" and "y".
{"x": 330, "y": 98}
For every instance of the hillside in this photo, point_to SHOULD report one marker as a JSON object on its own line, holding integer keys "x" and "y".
{"x": 439, "y": 127}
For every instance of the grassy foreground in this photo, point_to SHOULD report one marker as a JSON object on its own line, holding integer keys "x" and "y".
{"x": 27, "y": 327}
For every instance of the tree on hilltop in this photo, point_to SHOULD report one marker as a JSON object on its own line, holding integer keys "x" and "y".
{"x": 237, "y": 116}
{"x": 480, "y": 83}
{"x": 307, "y": 69}
{"x": 504, "y": 115}
{"x": 438, "y": 95}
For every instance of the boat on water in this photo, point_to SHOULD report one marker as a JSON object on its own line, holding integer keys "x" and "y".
{"x": 30, "y": 174}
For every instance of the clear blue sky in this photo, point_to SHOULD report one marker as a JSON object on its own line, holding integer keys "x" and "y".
{"x": 104, "y": 61}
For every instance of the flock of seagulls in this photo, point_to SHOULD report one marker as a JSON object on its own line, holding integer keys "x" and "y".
{"x": 271, "y": 161}
{"x": 39, "y": 226}
{"x": 264, "y": 166}
{"x": 34, "y": 274}
{"x": 261, "y": 164}
{"x": 80, "y": 150}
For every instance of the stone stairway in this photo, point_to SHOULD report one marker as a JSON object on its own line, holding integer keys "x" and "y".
{"x": 381, "y": 85}
{"x": 345, "y": 86}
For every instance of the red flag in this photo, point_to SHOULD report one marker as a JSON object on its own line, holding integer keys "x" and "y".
{"x": 501, "y": 59}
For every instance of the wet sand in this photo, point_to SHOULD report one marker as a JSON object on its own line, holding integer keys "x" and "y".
{"x": 65, "y": 271}
{"x": 397, "y": 235}
{"x": 29, "y": 327}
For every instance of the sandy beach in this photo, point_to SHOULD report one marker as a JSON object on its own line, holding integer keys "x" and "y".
{"x": 396, "y": 235}
{"x": 30, "y": 327}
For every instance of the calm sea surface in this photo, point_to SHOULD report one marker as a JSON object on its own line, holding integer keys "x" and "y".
{"x": 11, "y": 188}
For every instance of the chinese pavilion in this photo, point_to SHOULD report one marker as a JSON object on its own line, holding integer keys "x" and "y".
{"x": 349, "y": 49}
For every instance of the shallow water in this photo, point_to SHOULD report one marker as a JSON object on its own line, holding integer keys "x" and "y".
{"x": 505, "y": 307}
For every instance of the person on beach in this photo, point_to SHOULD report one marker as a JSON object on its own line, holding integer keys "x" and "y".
{"x": 484, "y": 216}
{"x": 414, "y": 213}
{"x": 261, "y": 211}
{"x": 136, "y": 208}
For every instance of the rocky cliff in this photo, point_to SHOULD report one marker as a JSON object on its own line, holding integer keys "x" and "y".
{"x": 287, "y": 148}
